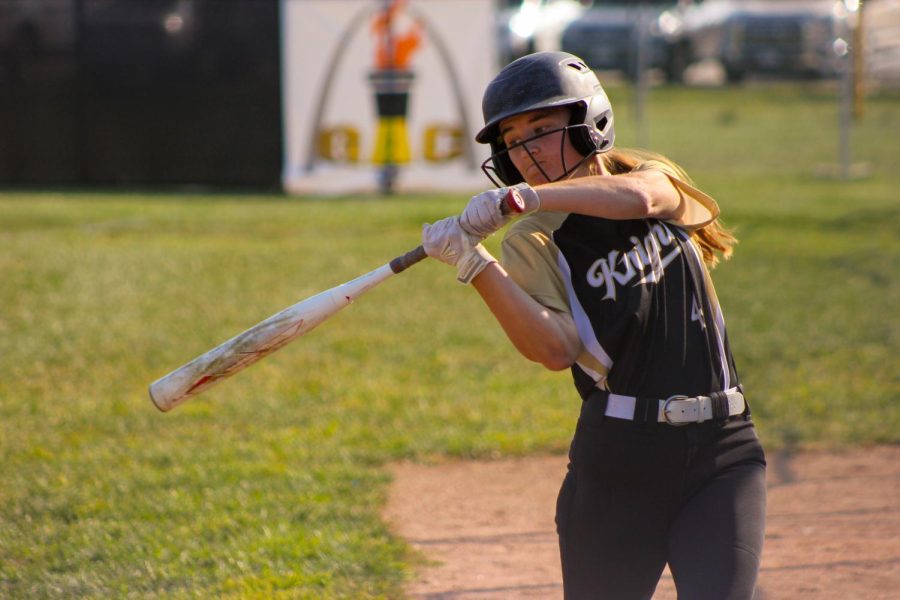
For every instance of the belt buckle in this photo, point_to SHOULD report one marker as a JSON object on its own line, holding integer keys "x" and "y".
{"x": 666, "y": 409}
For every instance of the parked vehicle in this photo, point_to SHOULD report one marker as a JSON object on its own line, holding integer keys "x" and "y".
{"x": 611, "y": 34}
{"x": 608, "y": 34}
{"x": 882, "y": 42}
{"x": 526, "y": 26}
{"x": 784, "y": 37}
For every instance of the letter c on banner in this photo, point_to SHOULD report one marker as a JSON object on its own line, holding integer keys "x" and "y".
{"x": 338, "y": 144}
{"x": 442, "y": 143}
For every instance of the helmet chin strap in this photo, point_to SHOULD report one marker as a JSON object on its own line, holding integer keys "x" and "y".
{"x": 567, "y": 174}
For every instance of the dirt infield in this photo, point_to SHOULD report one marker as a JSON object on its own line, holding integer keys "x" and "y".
{"x": 833, "y": 528}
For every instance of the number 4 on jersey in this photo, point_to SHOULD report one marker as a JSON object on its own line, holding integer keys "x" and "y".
{"x": 697, "y": 312}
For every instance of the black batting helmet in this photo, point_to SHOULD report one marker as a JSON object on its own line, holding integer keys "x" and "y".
{"x": 546, "y": 80}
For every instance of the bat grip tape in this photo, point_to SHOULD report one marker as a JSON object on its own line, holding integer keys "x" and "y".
{"x": 405, "y": 261}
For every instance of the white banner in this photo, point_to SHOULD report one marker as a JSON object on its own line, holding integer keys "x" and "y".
{"x": 385, "y": 94}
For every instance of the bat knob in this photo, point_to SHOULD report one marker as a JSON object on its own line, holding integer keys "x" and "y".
{"x": 513, "y": 203}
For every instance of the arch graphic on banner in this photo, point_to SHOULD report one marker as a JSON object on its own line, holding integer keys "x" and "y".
{"x": 391, "y": 151}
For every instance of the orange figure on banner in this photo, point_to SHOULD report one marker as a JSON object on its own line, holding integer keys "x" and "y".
{"x": 391, "y": 80}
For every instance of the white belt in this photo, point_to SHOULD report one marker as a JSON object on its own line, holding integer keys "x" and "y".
{"x": 676, "y": 410}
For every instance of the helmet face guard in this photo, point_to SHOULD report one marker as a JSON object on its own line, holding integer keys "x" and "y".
{"x": 546, "y": 80}
{"x": 499, "y": 167}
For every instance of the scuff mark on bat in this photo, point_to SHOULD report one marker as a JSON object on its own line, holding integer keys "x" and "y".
{"x": 200, "y": 382}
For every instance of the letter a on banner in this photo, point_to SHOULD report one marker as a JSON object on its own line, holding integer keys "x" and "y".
{"x": 385, "y": 95}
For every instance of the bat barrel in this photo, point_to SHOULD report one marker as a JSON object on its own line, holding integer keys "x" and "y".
{"x": 259, "y": 341}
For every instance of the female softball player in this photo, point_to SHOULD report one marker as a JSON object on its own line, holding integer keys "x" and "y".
{"x": 607, "y": 275}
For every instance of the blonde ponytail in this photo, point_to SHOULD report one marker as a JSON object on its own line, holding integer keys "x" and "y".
{"x": 714, "y": 240}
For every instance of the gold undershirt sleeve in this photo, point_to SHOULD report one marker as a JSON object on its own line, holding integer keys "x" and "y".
{"x": 700, "y": 209}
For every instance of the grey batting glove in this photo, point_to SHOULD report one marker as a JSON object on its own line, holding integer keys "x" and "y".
{"x": 484, "y": 214}
{"x": 449, "y": 243}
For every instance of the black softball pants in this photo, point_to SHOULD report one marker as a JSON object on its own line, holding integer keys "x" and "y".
{"x": 639, "y": 495}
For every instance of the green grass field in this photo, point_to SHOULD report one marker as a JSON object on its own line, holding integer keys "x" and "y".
{"x": 270, "y": 484}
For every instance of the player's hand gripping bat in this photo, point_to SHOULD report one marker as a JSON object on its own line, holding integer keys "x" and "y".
{"x": 280, "y": 329}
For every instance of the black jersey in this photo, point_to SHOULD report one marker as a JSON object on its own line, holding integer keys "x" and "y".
{"x": 641, "y": 298}
{"x": 638, "y": 291}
